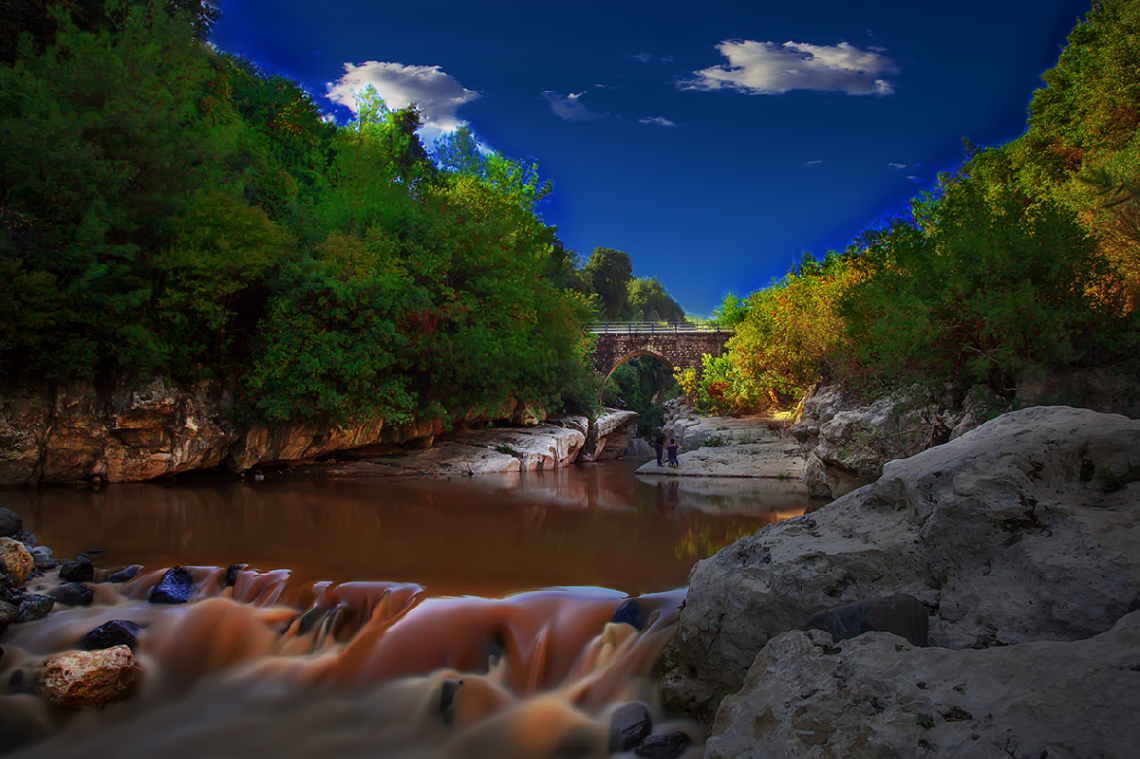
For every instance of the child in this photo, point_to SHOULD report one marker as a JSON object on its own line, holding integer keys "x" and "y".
{"x": 672, "y": 449}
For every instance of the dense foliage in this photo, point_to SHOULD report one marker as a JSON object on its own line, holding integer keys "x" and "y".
{"x": 170, "y": 211}
{"x": 1025, "y": 258}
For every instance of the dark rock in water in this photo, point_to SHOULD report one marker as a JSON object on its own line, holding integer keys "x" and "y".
{"x": 447, "y": 699}
{"x": 630, "y": 613}
{"x": 903, "y": 615}
{"x": 34, "y": 606}
{"x": 574, "y": 743}
{"x": 20, "y": 682}
{"x": 629, "y": 726}
{"x": 175, "y": 587}
{"x": 232, "y": 573}
{"x": 665, "y": 746}
{"x": 10, "y": 522}
{"x": 26, "y": 537}
{"x": 42, "y": 560}
{"x": 127, "y": 573}
{"x": 72, "y": 594}
{"x": 9, "y": 613}
{"x": 80, "y": 570}
{"x": 117, "y": 632}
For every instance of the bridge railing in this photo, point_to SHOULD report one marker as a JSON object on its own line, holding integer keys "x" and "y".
{"x": 651, "y": 328}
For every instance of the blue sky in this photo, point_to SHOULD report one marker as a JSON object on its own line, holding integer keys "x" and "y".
{"x": 714, "y": 143}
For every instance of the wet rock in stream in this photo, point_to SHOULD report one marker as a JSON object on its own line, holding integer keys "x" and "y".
{"x": 34, "y": 606}
{"x": 664, "y": 746}
{"x": 232, "y": 574}
{"x": 117, "y": 632}
{"x": 72, "y": 594}
{"x": 79, "y": 570}
{"x": 10, "y": 522}
{"x": 175, "y": 587}
{"x": 125, "y": 574}
{"x": 629, "y": 726}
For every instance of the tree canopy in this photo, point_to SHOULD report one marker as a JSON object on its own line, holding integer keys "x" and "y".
{"x": 167, "y": 210}
{"x": 1026, "y": 257}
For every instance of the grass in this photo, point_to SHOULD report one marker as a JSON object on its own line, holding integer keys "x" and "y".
{"x": 1110, "y": 482}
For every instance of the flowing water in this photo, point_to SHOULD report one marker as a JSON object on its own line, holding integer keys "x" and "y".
{"x": 386, "y": 618}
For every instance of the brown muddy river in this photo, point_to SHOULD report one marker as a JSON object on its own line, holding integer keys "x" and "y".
{"x": 482, "y": 617}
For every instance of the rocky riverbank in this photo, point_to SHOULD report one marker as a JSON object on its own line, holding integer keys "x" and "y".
{"x": 132, "y": 434}
{"x": 1017, "y": 544}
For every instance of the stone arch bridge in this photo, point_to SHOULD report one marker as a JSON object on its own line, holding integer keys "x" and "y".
{"x": 672, "y": 343}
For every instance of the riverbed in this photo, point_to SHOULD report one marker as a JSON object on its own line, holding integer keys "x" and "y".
{"x": 518, "y": 585}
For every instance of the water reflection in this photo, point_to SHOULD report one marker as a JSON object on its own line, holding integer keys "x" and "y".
{"x": 587, "y": 525}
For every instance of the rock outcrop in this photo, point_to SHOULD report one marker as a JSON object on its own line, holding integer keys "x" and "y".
{"x": 610, "y": 435}
{"x": 846, "y": 447}
{"x": 132, "y": 434}
{"x": 140, "y": 433}
{"x": 876, "y": 695}
{"x": 1025, "y": 529}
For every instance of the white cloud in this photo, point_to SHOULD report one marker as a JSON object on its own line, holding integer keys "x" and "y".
{"x": 896, "y": 166}
{"x": 659, "y": 121}
{"x": 914, "y": 179}
{"x": 438, "y": 95}
{"x": 768, "y": 68}
{"x": 816, "y": 162}
{"x": 570, "y": 107}
{"x": 643, "y": 57}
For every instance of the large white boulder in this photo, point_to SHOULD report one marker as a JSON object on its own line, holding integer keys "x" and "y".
{"x": 876, "y": 695}
{"x": 1025, "y": 529}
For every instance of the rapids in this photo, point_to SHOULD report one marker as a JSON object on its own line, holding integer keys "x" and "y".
{"x": 276, "y": 663}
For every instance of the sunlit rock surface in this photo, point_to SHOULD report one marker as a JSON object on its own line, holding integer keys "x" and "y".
{"x": 721, "y": 446}
{"x": 846, "y": 447}
{"x": 472, "y": 452}
{"x": 1025, "y": 529}
{"x": 876, "y": 695}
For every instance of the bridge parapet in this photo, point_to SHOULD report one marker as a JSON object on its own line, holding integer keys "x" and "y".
{"x": 674, "y": 328}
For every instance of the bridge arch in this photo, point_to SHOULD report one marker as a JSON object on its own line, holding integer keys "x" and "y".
{"x": 675, "y": 345}
{"x": 668, "y": 364}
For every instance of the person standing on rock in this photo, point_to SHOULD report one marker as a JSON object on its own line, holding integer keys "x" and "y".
{"x": 673, "y": 462}
{"x": 659, "y": 446}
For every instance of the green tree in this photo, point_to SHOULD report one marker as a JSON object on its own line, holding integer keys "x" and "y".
{"x": 610, "y": 272}
{"x": 648, "y": 301}
{"x": 105, "y": 145}
{"x": 983, "y": 285}
{"x": 459, "y": 151}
